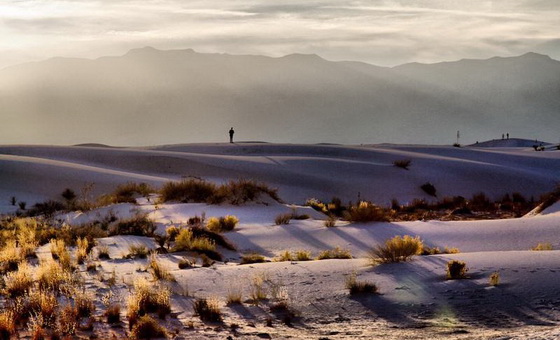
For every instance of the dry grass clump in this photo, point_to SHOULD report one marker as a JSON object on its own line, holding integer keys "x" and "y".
{"x": 158, "y": 271}
{"x": 139, "y": 225}
{"x": 303, "y": 255}
{"x": 83, "y": 302}
{"x": 397, "y": 249}
{"x": 18, "y": 283}
{"x": 429, "y": 189}
{"x": 139, "y": 250}
{"x": 336, "y": 253}
{"x": 234, "y": 295}
{"x": 188, "y": 191}
{"x": 172, "y": 232}
{"x": 257, "y": 291}
{"x": 356, "y": 287}
{"x": 542, "y": 246}
{"x": 366, "y": 212}
{"x": 494, "y": 279}
{"x": 82, "y": 250}
{"x": 126, "y": 193}
{"x": 282, "y": 219}
{"x": 402, "y": 163}
{"x": 68, "y": 320}
{"x": 186, "y": 240}
{"x": 284, "y": 256}
{"x": 51, "y": 276}
{"x": 200, "y": 191}
{"x": 113, "y": 313}
{"x": 7, "y": 325}
{"x": 456, "y": 270}
{"x": 147, "y": 328}
{"x": 222, "y": 224}
{"x": 252, "y": 258}
{"x": 44, "y": 305}
{"x": 103, "y": 252}
{"x": 147, "y": 298}
{"x": 10, "y": 257}
{"x": 330, "y": 221}
{"x": 427, "y": 250}
{"x": 185, "y": 263}
{"x": 208, "y": 310}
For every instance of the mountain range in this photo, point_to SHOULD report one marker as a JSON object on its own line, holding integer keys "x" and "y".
{"x": 153, "y": 97}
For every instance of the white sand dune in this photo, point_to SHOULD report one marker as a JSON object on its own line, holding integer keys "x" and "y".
{"x": 413, "y": 294}
{"x": 298, "y": 171}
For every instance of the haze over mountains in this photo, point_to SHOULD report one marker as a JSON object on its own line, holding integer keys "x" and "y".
{"x": 149, "y": 97}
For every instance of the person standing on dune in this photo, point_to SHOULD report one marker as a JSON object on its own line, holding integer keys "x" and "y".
{"x": 231, "y": 132}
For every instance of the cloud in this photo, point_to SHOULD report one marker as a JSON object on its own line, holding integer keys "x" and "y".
{"x": 381, "y": 32}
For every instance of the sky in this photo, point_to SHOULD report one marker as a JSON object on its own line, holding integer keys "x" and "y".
{"x": 381, "y": 32}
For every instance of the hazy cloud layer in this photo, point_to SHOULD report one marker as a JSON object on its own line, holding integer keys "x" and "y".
{"x": 385, "y": 32}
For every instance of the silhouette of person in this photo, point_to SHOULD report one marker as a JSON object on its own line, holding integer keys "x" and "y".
{"x": 507, "y": 135}
{"x": 231, "y": 132}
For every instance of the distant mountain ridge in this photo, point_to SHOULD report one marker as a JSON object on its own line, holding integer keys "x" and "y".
{"x": 149, "y": 96}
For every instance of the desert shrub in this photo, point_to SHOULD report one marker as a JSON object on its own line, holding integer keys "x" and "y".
{"x": 185, "y": 263}
{"x": 22, "y": 205}
{"x": 68, "y": 320}
{"x": 480, "y": 202}
{"x": 10, "y": 257}
{"x": 188, "y": 191}
{"x": 316, "y": 205}
{"x": 330, "y": 222}
{"x": 18, "y": 283}
{"x": 139, "y": 225}
{"x": 234, "y": 295}
{"x": 284, "y": 256}
{"x": 161, "y": 240}
{"x": 147, "y": 298}
{"x": 208, "y": 310}
{"x": 402, "y": 163}
{"x": 187, "y": 241}
{"x": 44, "y": 305}
{"x": 303, "y": 255}
{"x": 222, "y": 224}
{"x": 125, "y": 193}
{"x": 47, "y": 208}
{"x": 542, "y": 246}
{"x": 397, "y": 249}
{"x": 356, "y": 287}
{"x": 147, "y": 328}
{"x": 206, "y": 261}
{"x": 172, "y": 232}
{"x": 82, "y": 250}
{"x": 252, "y": 258}
{"x": 103, "y": 253}
{"x": 138, "y": 251}
{"x": 447, "y": 250}
{"x": 218, "y": 239}
{"x": 242, "y": 191}
{"x": 257, "y": 291}
{"x": 282, "y": 219}
{"x": 7, "y": 325}
{"x": 518, "y": 198}
{"x": 83, "y": 302}
{"x": 494, "y": 279}
{"x": 429, "y": 189}
{"x": 68, "y": 194}
{"x": 158, "y": 271}
{"x": 366, "y": 212}
{"x": 113, "y": 313}
{"x": 51, "y": 276}
{"x": 456, "y": 270}
{"x": 336, "y": 253}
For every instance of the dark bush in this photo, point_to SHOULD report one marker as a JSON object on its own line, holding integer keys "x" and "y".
{"x": 47, "y": 208}
{"x": 189, "y": 191}
{"x": 139, "y": 225}
{"x": 366, "y": 212}
{"x": 456, "y": 270}
{"x": 403, "y": 163}
{"x": 429, "y": 189}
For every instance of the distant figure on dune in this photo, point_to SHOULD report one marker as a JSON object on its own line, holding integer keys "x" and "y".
{"x": 231, "y": 132}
